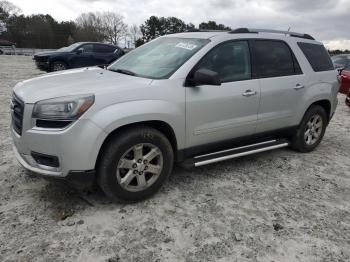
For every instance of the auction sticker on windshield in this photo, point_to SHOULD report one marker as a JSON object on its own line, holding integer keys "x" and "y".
{"x": 187, "y": 46}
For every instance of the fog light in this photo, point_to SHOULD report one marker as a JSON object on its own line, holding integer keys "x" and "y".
{"x": 45, "y": 160}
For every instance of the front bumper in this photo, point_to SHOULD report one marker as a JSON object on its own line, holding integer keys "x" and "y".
{"x": 77, "y": 179}
{"x": 45, "y": 66}
{"x": 29, "y": 163}
{"x": 75, "y": 147}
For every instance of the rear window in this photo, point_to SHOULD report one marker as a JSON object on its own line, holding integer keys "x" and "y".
{"x": 317, "y": 56}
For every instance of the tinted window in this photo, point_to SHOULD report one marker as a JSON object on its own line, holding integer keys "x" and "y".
{"x": 317, "y": 56}
{"x": 274, "y": 58}
{"x": 230, "y": 60}
{"x": 87, "y": 48}
{"x": 104, "y": 48}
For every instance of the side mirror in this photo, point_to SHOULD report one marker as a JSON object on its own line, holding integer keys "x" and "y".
{"x": 80, "y": 51}
{"x": 206, "y": 77}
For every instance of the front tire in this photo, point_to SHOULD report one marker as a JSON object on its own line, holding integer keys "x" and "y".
{"x": 135, "y": 164}
{"x": 311, "y": 130}
{"x": 58, "y": 66}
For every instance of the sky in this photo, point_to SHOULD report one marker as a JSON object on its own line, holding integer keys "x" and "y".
{"x": 326, "y": 20}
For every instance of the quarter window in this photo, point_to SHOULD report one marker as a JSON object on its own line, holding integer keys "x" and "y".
{"x": 274, "y": 58}
{"x": 317, "y": 56}
{"x": 230, "y": 60}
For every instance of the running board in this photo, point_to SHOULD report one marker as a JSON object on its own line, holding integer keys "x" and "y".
{"x": 239, "y": 151}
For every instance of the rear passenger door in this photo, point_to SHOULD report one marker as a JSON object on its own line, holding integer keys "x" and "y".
{"x": 281, "y": 81}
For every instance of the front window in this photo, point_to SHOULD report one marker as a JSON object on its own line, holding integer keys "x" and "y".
{"x": 230, "y": 60}
{"x": 160, "y": 58}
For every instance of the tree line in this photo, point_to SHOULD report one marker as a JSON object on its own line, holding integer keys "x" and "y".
{"x": 43, "y": 31}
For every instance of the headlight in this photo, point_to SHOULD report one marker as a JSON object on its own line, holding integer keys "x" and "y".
{"x": 63, "y": 108}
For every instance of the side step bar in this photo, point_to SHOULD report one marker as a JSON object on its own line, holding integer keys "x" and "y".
{"x": 239, "y": 151}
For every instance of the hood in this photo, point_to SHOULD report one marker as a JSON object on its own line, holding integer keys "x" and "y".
{"x": 48, "y": 53}
{"x": 91, "y": 80}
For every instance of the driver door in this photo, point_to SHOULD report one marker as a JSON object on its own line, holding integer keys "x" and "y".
{"x": 83, "y": 57}
{"x": 219, "y": 113}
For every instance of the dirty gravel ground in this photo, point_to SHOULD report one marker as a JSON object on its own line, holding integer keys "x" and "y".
{"x": 275, "y": 206}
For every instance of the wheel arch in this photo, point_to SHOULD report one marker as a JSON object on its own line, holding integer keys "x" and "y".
{"x": 159, "y": 125}
{"x": 58, "y": 59}
{"x": 325, "y": 104}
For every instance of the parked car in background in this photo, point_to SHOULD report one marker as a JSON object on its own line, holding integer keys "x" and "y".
{"x": 77, "y": 55}
{"x": 341, "y": 61}
{"x": 5, "y": 45}
{"x": 345, "y": 80}
{"x": 342, "y": 64}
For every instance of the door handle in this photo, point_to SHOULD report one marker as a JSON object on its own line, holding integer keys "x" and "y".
{"x": 298, "y": 86}
{"x": 249, "y": 93}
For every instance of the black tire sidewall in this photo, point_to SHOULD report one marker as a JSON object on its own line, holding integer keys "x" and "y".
{"x": 299, "y": 141}
{"x": 58, "y": 62}
{"x": 117, "y": 147}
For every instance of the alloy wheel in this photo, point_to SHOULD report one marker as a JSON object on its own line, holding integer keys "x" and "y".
{"x": 139, "y": 167}
{"x": 313, "y": 130}
{"x": 58, "y": 67}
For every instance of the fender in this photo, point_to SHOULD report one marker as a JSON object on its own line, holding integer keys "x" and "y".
{"x": 117, "y": 115}
{"x": 315, "y": 92}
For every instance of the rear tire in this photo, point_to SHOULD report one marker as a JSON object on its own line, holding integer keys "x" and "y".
{"x": 135, "y": 164}
{"x": 311, "y": 130}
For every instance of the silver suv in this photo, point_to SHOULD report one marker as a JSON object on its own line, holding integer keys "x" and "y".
{"x": 193, "y": 98}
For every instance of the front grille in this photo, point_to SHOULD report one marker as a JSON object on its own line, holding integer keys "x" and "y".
{"x": 17, "y": 110}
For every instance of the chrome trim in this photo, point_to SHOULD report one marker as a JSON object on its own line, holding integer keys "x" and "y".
{"x": 237, "y": 148}
{"x": 214, "y": 160}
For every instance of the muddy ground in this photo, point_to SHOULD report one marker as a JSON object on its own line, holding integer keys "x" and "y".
{"x": 274, "y": 206}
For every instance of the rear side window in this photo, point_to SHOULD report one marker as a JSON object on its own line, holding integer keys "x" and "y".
{"x": 274, "y": 58}
{"x": 317, "y": 56}
{"x": 104, "y": 49}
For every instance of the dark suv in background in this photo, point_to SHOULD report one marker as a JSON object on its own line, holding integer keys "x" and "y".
{"x": 78, "y": 55}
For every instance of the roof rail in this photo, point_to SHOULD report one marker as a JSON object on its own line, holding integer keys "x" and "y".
{"x": 254, "y": 30}
{"x": 204, "y": 30}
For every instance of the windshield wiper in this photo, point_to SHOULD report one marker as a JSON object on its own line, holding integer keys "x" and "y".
{"x": 123, "y": 71}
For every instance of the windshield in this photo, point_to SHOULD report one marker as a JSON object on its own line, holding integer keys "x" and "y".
{"x": 158, "y": 59}
{"x": 69, "y": 48}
